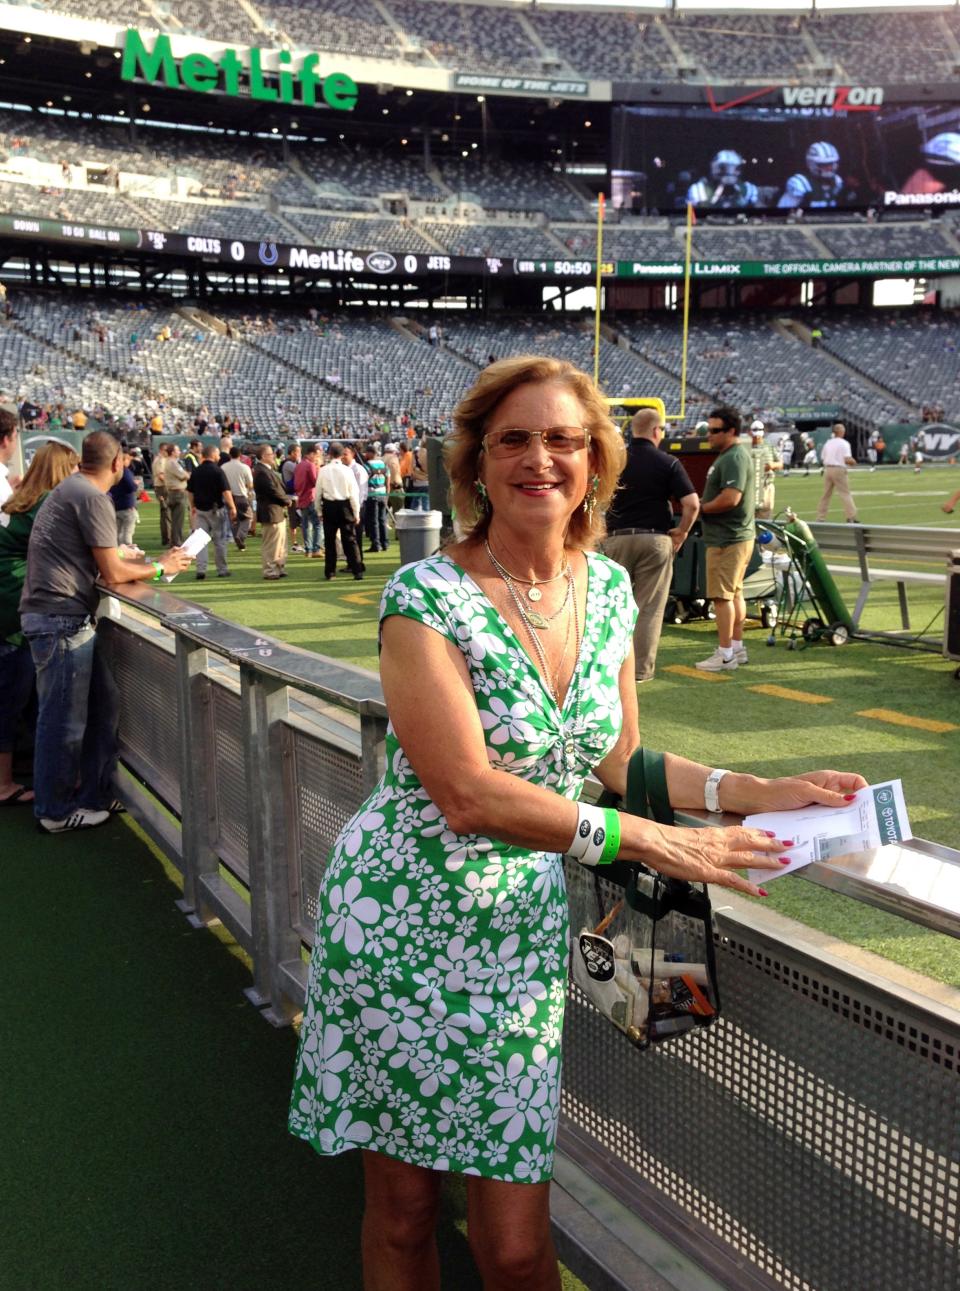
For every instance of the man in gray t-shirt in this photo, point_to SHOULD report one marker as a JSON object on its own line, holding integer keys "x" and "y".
{"x": 73, "y": 543}
{"x": 61, "y": 569}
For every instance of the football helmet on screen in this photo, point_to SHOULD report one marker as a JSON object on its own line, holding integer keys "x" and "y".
{"x": 943, "y": 149}
{"x": 823, "y": 160}
{"x": 727, "y": 166}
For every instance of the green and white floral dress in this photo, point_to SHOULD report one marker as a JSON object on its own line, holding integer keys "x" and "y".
{"x": 434, "y": 1010}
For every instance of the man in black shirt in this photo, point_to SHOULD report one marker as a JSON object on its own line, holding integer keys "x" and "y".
{"x": 209, "y": 491}
{"x": 641, "y": 535}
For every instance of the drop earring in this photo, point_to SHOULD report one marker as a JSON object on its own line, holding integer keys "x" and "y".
{"x": 590, "y": 501}
{"x": 482, "y": 501}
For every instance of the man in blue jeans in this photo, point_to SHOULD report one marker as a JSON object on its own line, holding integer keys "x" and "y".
{"x": 73, "y": 543}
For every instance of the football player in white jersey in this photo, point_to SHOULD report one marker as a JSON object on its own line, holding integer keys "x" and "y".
{"x": 822, "y": 184}
{"x": 725, "y": 189}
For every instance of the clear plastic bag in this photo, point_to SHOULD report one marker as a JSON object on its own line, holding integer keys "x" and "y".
{"x": 641, "y": 944}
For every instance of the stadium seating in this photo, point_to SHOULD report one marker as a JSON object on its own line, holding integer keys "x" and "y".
{"x": 916, "y": 357}
{"x": 730, "y": 46}
{"x": 493, "y": 239}
{"x": 607, "y": 44}
{"x": 894, "y": 46}
{"x": 748, "y": 361}
{"x": 467, "y": 36}
{"x": 211, "y": 220}
{"x": 67, "y": 204}
{"x": 621, "y": 372}
{"x": 367, "y": 171}
{"x": 362, "y": 234}
{"x": 512, "y": 186}
{"x": 347, "y": 26}
{"x": 898, "y": 240}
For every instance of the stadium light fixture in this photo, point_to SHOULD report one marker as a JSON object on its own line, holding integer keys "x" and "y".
{"x": 409, "y": 94}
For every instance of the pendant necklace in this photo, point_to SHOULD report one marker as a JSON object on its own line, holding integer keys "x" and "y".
{"x": 533, "y": 617}
{"x": 533, "y": 590}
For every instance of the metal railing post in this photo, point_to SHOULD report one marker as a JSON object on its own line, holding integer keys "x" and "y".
{"x": 373, "y": 733}
{"x": 264, "y": 705}
{"x": 196, "y": 761}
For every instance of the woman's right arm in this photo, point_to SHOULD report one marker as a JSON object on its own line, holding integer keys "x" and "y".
{"x": 433, "y": 709}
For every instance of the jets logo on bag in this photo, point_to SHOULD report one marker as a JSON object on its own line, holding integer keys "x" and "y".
{"x": 598, "y": 957}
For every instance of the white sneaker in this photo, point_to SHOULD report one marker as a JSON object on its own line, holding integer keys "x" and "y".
{"x": 83, "y": 818}
{"x": 298, "y": 549}
{"x": 717, "y": 663}
{"x": 741, "y": 655}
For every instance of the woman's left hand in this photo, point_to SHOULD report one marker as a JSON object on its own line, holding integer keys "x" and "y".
{"x": 827, "y": 788}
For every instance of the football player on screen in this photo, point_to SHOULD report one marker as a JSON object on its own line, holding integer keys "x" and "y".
{"x": 725, "y": 190}
{"x": 821, "y": 186}
{"x": 940, "y": 169}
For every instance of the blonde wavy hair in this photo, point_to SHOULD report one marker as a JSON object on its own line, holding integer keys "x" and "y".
{"x": 52, "y": 463}
{"x": 472, "y": 415}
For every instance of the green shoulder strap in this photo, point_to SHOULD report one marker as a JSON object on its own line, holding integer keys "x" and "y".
{"x": 647, "y": 787}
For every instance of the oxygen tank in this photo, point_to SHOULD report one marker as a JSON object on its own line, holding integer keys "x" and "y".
{"x": 826, "y": 594}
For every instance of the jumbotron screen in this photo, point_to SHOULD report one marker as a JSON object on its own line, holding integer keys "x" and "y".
{"x": 778, "y": 158}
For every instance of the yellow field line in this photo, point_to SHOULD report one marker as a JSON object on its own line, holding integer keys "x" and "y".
{"x": 683, "y": 671}
{"x": 904, "y": 719}
{"x": 799, "y": 696}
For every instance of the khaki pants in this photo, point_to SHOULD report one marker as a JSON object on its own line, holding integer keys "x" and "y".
{"x": 835, "y": 477}
{"x": 273, "y": 549}
{"x": 177, "y": 510}
{"x": 648, "y": 559}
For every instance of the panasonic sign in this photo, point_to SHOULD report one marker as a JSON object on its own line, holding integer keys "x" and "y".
{"x": 841, "y": 98}
{"x": 237, "y": 72}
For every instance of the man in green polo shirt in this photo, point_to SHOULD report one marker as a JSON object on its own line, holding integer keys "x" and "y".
{"x": 726, "y": 515}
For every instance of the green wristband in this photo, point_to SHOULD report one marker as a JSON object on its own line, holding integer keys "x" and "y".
{"x": 157, "y": 572}
{"x": 611, "y": 845}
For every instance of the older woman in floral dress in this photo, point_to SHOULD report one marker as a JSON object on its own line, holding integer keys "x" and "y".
{"x": 432, "y": 1027}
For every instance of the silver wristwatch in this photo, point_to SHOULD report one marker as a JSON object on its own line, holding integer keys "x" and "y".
{"x": 711, "y": 790}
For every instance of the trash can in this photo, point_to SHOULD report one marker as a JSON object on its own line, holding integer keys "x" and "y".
{"x": 418, "y": 533}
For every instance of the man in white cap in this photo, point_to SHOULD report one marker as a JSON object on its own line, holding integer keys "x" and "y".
{"x": 765, "y": 463}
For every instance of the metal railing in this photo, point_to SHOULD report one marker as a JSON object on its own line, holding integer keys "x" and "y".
{"x": 810, "y": 1140}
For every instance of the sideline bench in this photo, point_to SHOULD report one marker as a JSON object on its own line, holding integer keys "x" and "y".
{"x": 866, "y": 542}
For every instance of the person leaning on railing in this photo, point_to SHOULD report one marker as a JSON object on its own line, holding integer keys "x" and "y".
{"x": 434, "y": 1008}
{"x": 73, "y": 543}
{"x": 52, "y": 463}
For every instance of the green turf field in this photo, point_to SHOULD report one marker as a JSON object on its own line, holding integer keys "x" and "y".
{"x": 726, "y": 720}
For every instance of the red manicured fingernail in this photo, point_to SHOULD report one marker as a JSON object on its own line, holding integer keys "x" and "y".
{"x": 784, "y": 860}
{"x": 786, "y": 842}
{"x": 768, "y": 833}
{"x": 762, "y": 891}
{"x": 849, "y": 797}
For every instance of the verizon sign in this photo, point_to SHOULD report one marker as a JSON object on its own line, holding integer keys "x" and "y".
{"x": 841, "y": 98}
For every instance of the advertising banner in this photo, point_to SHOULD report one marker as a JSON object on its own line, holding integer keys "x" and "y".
{"x": 936, "y": 440}
{"x": 544, "y": 86}
{"x": 406, "y": 264}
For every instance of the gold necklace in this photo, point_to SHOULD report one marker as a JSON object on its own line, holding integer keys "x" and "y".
{"x": 534, "y": 593}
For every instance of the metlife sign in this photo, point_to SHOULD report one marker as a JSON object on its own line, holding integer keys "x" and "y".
{"x": 236, "y": 72}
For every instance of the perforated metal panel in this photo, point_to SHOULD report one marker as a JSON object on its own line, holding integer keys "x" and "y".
{"x": 229, "y": 789}
{"x": 815, "y": 1130}
{"x": 146, "y": 677}
{"x": 328, "y": 786}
